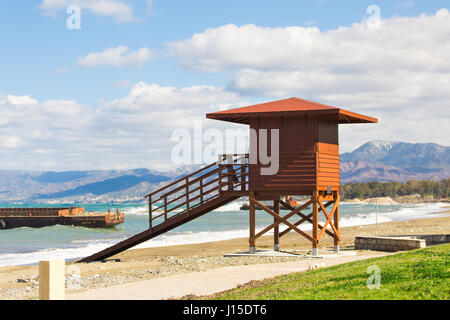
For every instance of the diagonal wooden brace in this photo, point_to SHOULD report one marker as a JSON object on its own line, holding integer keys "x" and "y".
{"x": 277, "y": 222}
{"x": 329, "y": 217}
{"x": 283, "y": 220}
{"x": 304, "y": 218}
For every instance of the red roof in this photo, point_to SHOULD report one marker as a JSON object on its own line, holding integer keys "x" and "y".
{"x": 288, "y": 107}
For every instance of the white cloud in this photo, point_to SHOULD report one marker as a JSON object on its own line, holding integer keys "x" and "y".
{"x": 417, "y": 43}
{"x": 10, "y": 142}
{"x": 20, "y": 100}
{"x": 121, "y": 11}
{"x": 130, "y": 132}
{"x": 164, "y": 108}
{"x": 61, "y": 107}
{"x": 399, "y": 73}
{"x": 117, "y": 57}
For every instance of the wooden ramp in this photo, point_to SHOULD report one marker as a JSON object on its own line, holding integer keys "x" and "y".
{"x": 187, "y": 199}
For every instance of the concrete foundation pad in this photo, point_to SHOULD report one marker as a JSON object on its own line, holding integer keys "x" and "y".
{"x": 292, "y": 254}
{"x": 263, "y": 253}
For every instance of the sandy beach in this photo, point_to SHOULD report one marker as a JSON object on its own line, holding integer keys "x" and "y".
{"x": 21, "y": 282}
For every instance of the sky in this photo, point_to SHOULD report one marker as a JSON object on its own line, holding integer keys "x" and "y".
{"x": 110, "y": 91}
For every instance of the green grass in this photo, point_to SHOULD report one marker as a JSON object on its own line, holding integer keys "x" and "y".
{"x": 419, "y": 274}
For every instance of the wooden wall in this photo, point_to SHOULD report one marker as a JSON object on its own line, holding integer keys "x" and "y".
{"x": 308, "y": 155}
{"x": 328, "y": 166}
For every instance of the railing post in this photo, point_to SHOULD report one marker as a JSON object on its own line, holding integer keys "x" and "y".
{"x": 220, "y": 179}
{"x": 243, "y": 173}
{"x": 187, "y": 195}
{"x": 165, "y": 208}
{"x": 229, "y": 172}
{"x": 150, "y": 212}
{"x": 201, "y": 190}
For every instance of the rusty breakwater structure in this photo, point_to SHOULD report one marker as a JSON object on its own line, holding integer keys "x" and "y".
{"x": 70, "y": 216}
{"x": 308, "y": 154}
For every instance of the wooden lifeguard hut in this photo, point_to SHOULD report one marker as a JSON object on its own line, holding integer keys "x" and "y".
{"x": 305, "y": 152}
{"x": 308, "y": 163}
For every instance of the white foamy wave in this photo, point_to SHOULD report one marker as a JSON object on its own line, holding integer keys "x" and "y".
{"x": 169, "y": 239}
{"x": 15, "y": 259}
{"x": 138, "y": 211}
{"x": 143, "y": 210}
{"x": 231, "y": 207}
{"x": 192, "y": 238}
{"x": 410, "y": 212}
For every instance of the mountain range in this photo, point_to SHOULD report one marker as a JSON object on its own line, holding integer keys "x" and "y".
{"x": 373, "y": 161}
{"x": 395, "y": 161}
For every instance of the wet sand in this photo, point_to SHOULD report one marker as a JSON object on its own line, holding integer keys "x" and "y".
{"x": 145, "y": 264}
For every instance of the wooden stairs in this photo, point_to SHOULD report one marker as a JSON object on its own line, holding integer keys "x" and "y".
{"x": 187, "y": 199}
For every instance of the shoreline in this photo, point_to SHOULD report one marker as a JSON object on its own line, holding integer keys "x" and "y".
{"x": 206, "y": 236}
{"x": 21, "y": 282}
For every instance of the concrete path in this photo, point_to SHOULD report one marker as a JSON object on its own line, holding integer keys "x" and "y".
{"x": 205, "y": 282}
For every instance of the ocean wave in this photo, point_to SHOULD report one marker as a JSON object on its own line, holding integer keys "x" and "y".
{"x": 14, "y": 259}
{"x": 138, "y": 211}
{"x": 86, "y": 247}
{"x": 231, "y": 207}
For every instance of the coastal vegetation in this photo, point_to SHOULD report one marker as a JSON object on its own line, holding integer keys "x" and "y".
{"x": 419, "y": 275}
{"x": 424, "y": 188}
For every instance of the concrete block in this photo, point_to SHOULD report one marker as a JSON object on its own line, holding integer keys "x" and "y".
{"x": 315, "y": 252}
{"x": 52, "y": 280}
{"x": 389, "y": 244}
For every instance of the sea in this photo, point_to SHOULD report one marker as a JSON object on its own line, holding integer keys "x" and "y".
{"x": 24, "y": 246}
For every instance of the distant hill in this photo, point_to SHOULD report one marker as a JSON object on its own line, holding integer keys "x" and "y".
{"x": 95, "y": 186}
{"x": 395, "y": 161}
{"x": 106, "y": 186}
{"x": 374, "y": 161}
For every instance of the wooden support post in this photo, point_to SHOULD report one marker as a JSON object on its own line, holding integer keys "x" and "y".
{"x": 252, "y": 223}
{"x": 276, "y": 229}
{"x": 52, "y": 284}
{"x": 336, "y": 224}
{"x": 315, "y": 226}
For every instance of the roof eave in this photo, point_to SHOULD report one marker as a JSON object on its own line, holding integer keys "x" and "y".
{"x": 352, "y": 117}
{"x": 245, "y": 117}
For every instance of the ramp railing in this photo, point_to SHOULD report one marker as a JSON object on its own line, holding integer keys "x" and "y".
{"x": 229, "y": 175}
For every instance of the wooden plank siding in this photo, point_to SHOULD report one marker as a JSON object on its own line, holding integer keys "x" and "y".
{"x": 308, "y": 155}
{"x": 328, "y": 166}
{"x": 296, "y": 171}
